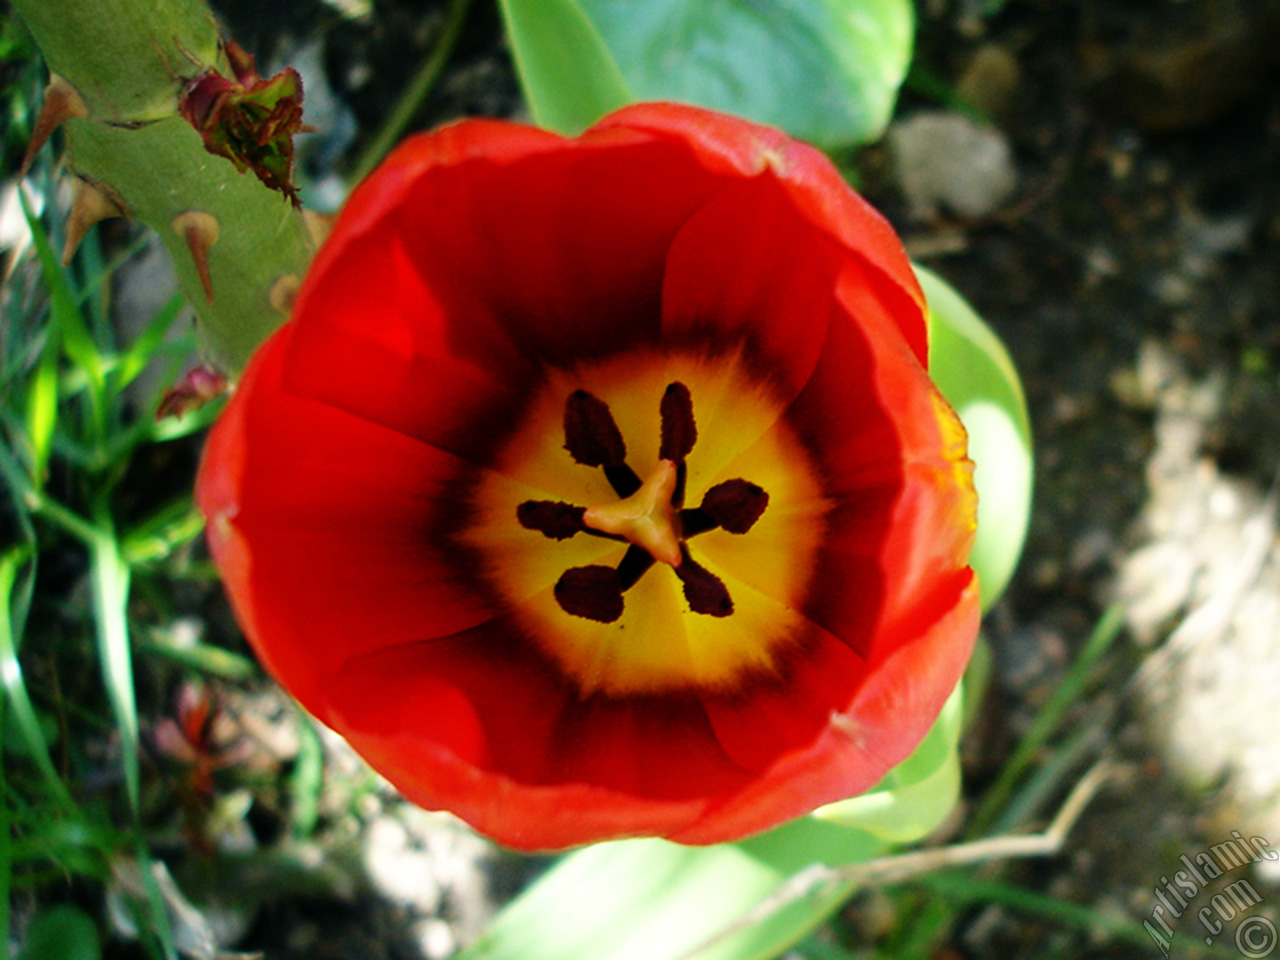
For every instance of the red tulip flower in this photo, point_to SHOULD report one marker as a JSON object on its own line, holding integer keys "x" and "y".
{"x": 597, "y": 487}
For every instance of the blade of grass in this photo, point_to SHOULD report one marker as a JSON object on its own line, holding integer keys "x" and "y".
{"x": 156, "y": 537}
{"x": 93, "y": 293}
{"x": 42, "y": 409}
{"x": 77, "y": 341}
{"x": 15, "y": 699}
{"x": 1048, "y": 720}
{"x": 1075, "y": 750}
{"x": 147, "y": 344}
{"x": 406, "y": 107}
{"x": 6, "y": 832}
{"x": 110, "y": 579}
{"x": 965, "y": 888}
{"x": 204, "y": 658}
{"x": 307, "y": 778}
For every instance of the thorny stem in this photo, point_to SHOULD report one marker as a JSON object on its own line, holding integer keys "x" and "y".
{"x": 123, "y": 67}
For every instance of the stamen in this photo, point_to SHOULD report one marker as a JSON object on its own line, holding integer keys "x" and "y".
{"x": 635, "y": 563}
{"x": 593, "y": 592}
{"x": 590, "y": 434}
{"x": 735, "y": 505}
{"x": 553, "y": 519}
{"x": 702, "y": 588}
{"x": 623, "y": 479}
{"x": 679, "y": 432}
{"x": 696, "y": 521}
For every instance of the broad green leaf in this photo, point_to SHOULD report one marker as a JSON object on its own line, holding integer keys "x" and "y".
{"x": 654, "y": 900}
{"x": 566, "y": 71}
{"x": 917, "y": 794}
{"x": 973, "y": 370}
{"x": 826, "y": 71}
{"x": 63, "y": 932}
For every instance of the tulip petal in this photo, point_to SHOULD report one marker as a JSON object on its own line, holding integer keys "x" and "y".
{"x": 897, "y": 467}
{"x": 744, "y": 256}
{"x": 731, "y": 145}
{"x": 517, "y": 752}
{"x": 892, "y": 710}
{"x": 330, "y": 548}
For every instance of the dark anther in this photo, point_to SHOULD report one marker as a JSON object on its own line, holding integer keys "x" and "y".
{"x": 682, "y": 479}
{"x": 593, "y": 592}
{"x": 559, "y": 521}
{"x": 634, "y": 563}
{"x": 735, "y": 505}
{"x": 590, "y": 435}
{"x": 696, "y": 521}
{"x": 623, "y": 480}
{"x": 679, "y": 432}
{"x": 703, "y": 589}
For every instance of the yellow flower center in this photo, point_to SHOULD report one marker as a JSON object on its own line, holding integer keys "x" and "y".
{"x": 694, "y": 576}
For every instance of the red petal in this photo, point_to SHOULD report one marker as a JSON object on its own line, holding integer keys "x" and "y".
{"x": 517, "y": 752}
{"x": 779, "y": 715}
{"x": 904, "y": 516}
{"x": 747, "y": 266}
{"x": 543, "y": 249}
{"x": 376, "y": 342}
{"x": 897, "y": 702}
{"x": 489, "y": 246}
{"x": 331, "y": 532}
{"x": 727, "y": 144}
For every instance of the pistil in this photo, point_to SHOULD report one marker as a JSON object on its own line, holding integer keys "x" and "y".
{"x": 647, "y": 518}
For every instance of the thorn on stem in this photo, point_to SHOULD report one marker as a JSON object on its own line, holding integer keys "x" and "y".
{"x": 318, "y": 226}
{"x": 283, "y": 292}
{"x": 199, "y": 231}
{"x": 89, "y": 205}
{"x": 61, "y": 103}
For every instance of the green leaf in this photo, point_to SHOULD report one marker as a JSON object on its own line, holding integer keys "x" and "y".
{"x": 63, "y": 932}
{"x": 975, "y": 373}
{"x": 568, "y": 75}
{"x": 654, "y": 900}
{"x": 826, "y": 71}
{"x": 917, "y": 794}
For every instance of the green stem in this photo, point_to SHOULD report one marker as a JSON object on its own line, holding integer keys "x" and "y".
{"x": 130, "y": 62}
{"x": 69, "y": 521}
